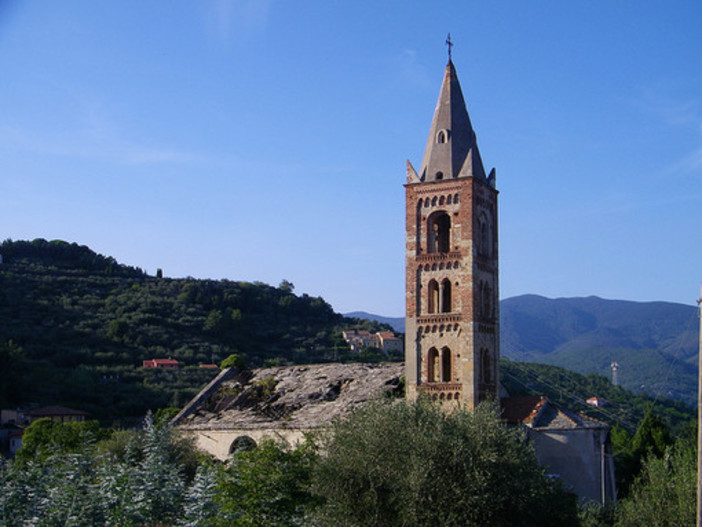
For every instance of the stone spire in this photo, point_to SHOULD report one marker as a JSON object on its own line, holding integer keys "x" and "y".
{"x": 452, "y": 150}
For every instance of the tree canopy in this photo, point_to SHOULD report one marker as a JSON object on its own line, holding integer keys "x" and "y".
{"x": 393, "y": 464}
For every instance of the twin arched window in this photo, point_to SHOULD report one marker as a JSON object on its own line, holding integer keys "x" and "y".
{"x": 439, "y": 365}
{"x": 439, "y": 297}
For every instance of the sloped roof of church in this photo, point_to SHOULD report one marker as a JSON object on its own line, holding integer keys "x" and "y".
{"x": 452, "y": 149}
{"x": 539, "y": 412}
{"x": 295, "y": 397}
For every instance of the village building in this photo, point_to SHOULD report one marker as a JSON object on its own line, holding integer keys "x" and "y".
{"x": 14, "y": 421}
{"x": 452, "y": 345}
{"x": 359, "y": 339}
{"x": 574, "y": 448}
{"x": 57, "y": 413}
{"x": 166, "y": 364}
{"x": 597, "y": 402}
{"x": 388, "y": 342}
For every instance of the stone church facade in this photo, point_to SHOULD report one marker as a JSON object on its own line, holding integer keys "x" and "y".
{"x": 452, "y": 345}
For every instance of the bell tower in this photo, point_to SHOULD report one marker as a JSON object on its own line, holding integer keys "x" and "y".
{"x": 452, "y": 340}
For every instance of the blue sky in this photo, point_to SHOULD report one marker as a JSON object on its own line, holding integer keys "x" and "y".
{"x": 266, "y": 140}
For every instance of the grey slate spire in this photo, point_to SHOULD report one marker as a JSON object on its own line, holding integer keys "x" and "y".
{"x": 452, "y": 149}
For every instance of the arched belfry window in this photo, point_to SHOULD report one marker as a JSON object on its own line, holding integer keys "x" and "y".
{"x": 439, "y": 232}
{"x": 446, "y": 296}
{"x": 484, "y": 237}
{"x": 439, "y": 175}
{"x": 442, "y": 136}
{"x": 439, "y": 365}
{"x": 433, "y": 366}
{"x": 433, "y": 297}
{"x": 445, "y": 365}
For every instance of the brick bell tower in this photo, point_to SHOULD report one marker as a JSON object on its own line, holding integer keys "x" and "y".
{"x": 452, "y": 342}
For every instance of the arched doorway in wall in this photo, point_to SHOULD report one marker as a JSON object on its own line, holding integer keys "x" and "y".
{"x": 242, "y": 443}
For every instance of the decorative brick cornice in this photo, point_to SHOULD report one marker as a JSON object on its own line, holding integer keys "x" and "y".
{"x": 430, "y": 187}
{"x": 441, "y": 387}
{"x": 437, "y": 257}
{"x": 439, "y": 318}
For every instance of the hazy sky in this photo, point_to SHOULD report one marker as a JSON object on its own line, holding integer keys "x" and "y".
{"x": 266, "y": 140}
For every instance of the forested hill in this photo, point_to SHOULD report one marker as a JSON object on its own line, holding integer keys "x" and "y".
{"x": 75, "y": 327}
{"x": 654, "y": 343}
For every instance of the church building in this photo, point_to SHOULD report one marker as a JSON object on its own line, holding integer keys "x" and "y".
{"x": 452, "y": 345}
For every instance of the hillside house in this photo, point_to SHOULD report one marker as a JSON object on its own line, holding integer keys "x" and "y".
{"x": 358, "y": 339}
{"x": 383, "y": 340}
{"x": 388, "y": 342}
{"x": 57, "y": 413}
{"x": 597, "y": 402}
{"x": 166, "y": 364}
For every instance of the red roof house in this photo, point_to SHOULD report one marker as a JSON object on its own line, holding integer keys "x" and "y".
{"x": 169, "y": 364}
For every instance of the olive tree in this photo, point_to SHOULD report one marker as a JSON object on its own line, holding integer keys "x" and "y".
{"x": 412, "y": 463}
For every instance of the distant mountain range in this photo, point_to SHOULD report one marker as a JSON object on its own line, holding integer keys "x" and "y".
{"x": 655, "y": 344}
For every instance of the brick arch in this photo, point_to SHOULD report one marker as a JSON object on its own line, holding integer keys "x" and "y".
{"x": 242, "y": 443}
{"x": 438, "y": 232}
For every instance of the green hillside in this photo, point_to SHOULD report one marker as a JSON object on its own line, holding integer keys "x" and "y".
{"x": 571, "y": 390}
{"x": 75, "y": 327}
{"x": 654, "y": 343}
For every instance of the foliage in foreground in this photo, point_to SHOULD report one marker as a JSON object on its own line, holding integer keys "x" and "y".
{"x": 666, "y": 493}
{"x": 85, "y": 488}
{"x": 389, "y": 464}
{"x": 414, "y": 464}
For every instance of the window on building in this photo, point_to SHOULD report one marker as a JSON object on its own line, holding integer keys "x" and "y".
{"x": 445, "y": 365}
{"x": 433, "y": 297}
{"x": 433, "y": 366}
{"x": 439, "y": 231}
{"x": 446, "y": 296}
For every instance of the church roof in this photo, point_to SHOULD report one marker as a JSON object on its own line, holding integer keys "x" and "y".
{"x": 452, "y": 149}
{"x": 540, "y": 413}
{"x": 294, "y": 397}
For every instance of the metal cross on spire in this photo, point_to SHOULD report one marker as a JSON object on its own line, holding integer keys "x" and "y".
{"x": 449, "y": 44}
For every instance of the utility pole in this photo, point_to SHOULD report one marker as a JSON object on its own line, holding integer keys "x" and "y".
{"x": 699, "y": 418}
